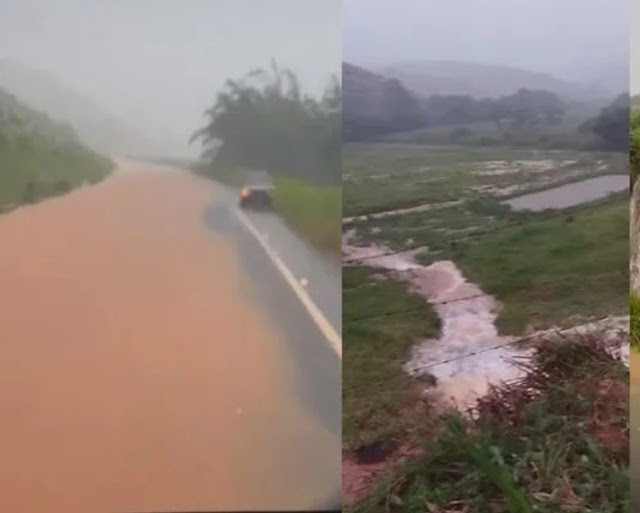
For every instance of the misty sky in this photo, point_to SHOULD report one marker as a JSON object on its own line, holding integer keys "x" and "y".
{"x": 569, "y": 38}
{"x": 158, "y": 63}
{"x": 635, "y": 49}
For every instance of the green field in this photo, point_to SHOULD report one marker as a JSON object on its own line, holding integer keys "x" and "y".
{"x": 579, "y": 256}
{"x": 566, "y": 134}
{"x": 380, "y": 177}
{"x": 548, "y": 269}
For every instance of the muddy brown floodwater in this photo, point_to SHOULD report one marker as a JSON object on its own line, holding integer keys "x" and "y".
{"x": 136, "y": 374}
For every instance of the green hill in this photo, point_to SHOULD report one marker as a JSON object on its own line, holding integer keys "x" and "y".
{"x": 97, "y": 128}
{"x": 39, "y": 157}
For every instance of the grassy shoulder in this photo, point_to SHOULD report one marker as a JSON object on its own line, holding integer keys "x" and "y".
{"x": 29, "y": 173}
{"x": 538, "y": 445}
{"x": 378, "y": 397}
{"x": 315, "y": 212}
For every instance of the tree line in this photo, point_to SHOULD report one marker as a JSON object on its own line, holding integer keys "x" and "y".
{"x": 523, "y": 111}
{"x": 634, "y": 146}
{"x": 263, "y": 121}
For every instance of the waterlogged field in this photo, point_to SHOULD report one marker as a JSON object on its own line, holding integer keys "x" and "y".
{"x": 383, "y": 177}
{"x": 439, "y": 270}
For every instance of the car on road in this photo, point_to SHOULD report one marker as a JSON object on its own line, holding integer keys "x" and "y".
{"x": 257, "y": 197}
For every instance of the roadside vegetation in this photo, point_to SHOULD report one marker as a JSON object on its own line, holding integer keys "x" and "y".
{"x": 374, "y": 349}
{"x": 263, "y": 121}
{"x": 312, "y": 210}
{"x": 536, "y": 445}
{"x": 634, "y": 156}
{"x": 40, "y": 158}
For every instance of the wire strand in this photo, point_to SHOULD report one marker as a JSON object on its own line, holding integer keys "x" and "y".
{"x": 469, "y": 355}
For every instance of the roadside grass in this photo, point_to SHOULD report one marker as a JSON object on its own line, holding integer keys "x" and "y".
{"x": 313, "y": 211}
{"x": 29, "y": 174}
{"x": 375, "y": 409}
{"x": 537, "y": 445}
{"x": 634, "y": 313}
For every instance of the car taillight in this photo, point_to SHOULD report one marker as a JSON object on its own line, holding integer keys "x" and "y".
{"x": 245, "y": 193}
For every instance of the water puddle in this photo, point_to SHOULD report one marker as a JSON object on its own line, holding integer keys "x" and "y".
{"x": 571, "y": 194}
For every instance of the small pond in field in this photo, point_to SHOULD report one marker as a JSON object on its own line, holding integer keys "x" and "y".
{"x": 571, "y": 194}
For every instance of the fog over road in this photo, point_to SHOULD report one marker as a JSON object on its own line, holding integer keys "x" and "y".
{"x": 153, "y": 359}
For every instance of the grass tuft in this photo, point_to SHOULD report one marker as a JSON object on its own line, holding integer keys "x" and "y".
{"x": 555, "y": 441}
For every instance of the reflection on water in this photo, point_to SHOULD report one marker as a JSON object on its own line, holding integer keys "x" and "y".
{"x": 134, "y": 374}
{"x": 571, "y": 194}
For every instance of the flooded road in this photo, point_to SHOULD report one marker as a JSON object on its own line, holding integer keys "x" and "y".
{"x": 139, "y": 370}
{"x": 571, "y": 194}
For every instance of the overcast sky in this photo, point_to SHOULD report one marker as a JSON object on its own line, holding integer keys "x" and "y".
{"x": 635, "y": 49}
{"x": 158, "y": 63}
{"x": 569, "y": 38}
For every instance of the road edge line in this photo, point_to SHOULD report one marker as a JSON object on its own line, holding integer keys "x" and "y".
{"x": 323, "y": 324}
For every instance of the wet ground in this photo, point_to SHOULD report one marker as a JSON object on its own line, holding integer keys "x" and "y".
{"x": 152, "y": 361}
{"x": 571, "y": 194}
{"x": 468, "y": 357}
{"x": 467, "y": 316}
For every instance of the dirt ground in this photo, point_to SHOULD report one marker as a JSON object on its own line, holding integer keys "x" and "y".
{"x": 135, "y": 371}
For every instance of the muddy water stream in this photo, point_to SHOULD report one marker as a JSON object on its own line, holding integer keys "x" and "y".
{"x": 467, "y": 317}
{"x": 470, "y": 355}
{"x": 135, "y": 373}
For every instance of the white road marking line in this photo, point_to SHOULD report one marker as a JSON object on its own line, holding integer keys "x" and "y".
{"x": 327, "y": 329}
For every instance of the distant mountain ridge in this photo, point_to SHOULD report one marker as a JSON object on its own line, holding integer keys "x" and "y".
{"x": 43, "y": 92}
{"x": 428, "y": 78}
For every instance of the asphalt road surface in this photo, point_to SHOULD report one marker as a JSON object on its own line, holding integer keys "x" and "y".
{"x": 154, "y": 358}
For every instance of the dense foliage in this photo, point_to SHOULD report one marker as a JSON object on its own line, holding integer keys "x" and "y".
{"x": 40, "y": 157}
{"x": 612, "y": 125}
{"x": 264, "y": 121}
{"x": 634, "y": 146}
